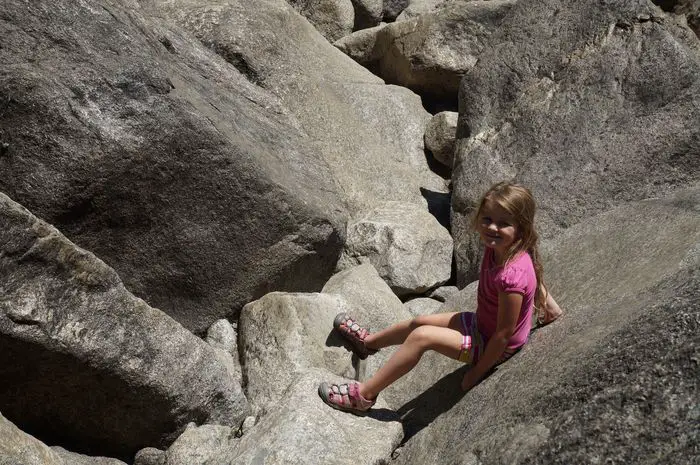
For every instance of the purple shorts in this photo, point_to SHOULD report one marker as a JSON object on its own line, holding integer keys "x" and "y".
{"x": 474, "y": 343}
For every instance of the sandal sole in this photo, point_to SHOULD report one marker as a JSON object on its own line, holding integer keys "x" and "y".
{"x": 341, "y": 318}
{"x": 323, "y": 388}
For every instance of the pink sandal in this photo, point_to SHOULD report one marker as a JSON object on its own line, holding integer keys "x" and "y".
{"x": 345, "y": 397}
{"x": 354, "y": 334}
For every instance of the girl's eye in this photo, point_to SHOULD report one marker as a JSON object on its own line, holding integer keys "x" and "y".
{"x": 503, "y": 224}
{"x": 486, "y": 219}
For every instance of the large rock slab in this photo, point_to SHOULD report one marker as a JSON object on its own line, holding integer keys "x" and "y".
{"x": 589, "y": 106}
{"x": 332, "y": 18}
{"x": 283, "y": 335}
{"x": 112, "y": 374}
{"x": 305, "y": 431}
{"x": 141, "y": 145}
{"x": 431, "y": 52}
{"x": 407, "y": 246}
{"x": 615, "y": 377}
{"x": 370, "y": 135}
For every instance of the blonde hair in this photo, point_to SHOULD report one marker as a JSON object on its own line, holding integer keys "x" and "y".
{"x": 518, "y": 201}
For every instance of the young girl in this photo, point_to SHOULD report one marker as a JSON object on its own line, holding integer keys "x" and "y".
{"x": 510, "y": 287}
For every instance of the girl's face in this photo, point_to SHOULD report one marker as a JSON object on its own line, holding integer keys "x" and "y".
{"x": 497, "y": 228}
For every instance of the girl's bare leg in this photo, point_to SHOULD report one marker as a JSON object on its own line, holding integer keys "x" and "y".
{"x": 446, "y": 341}
{"x": 396, "y": 334}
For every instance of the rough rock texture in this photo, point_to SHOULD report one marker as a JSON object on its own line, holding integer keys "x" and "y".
{"x": 332, "y": 18}
{"x": 432, "y": 52}
{"x": 417, "y": 8}
{"x": 197, "y": 444}
{"x": 407, "y": 246}
{"x": 422, "y": 306}
{"x": 393, "y": 8}
{"x": 690, "y": 9}
{"x": 113, "y": 374}
{"x": 368, "y": 13}
{"x": 71, "y": 458}
{"x": 440, "y": 135}
{"x": 326, "y": 435}
{"x": 283, "y": 335}
{"x": 222, "y": 334}
{"x": 147, "y": 149}
{"x": 616, "y": 377}
{"x": 369, "y": 134}
{"x": 590, "y": 105}
{"x": 17, "y": 447}
{"x": 443, "y": 293}
{"x": 149, "y": 456}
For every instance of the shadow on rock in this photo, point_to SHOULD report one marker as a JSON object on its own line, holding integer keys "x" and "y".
{"x": 433, "y": 402}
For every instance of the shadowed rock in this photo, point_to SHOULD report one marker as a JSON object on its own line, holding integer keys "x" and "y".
{"x": 112, "y": 374}
{"x": 332, "y": 18}
{"x": 141, "y": 145}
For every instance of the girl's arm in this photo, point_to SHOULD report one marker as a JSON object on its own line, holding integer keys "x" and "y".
{"x": 550, "y": 312}
{"x": 508, "y": 311}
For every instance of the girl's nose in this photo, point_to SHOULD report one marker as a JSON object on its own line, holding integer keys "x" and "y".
{"x": 492, "y": 226}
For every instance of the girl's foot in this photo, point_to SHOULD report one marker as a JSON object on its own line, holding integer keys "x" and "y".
{"x": 345, "y": 397}
{"x": 354, "y": 334}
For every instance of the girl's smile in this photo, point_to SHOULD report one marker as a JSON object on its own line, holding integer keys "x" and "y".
{"x": 496, "y": 228}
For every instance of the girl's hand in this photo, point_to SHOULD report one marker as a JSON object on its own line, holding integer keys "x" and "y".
{"x": 469, "y": 381}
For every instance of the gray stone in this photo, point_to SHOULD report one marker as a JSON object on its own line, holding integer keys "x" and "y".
{"x": 18, "y": 447}
{"x": 196, "y": 185}
{"x": 112, "y": 373}
{"x": 430, "y": 53}
{"x": 150, "y": 456}
{"x": 393, "y": 8}
{"x": 422, "y": 306}
{"x": 417, "y": 8}
{"x": 443, "y": 293}
{"x": 614, "y": 378}
{"x": 304, "y": 431}
{"x": 247, "y": 425}
{"x": 407, "y": 246}
{"x": 590, "y": 106}
{"x": 368, "y": 134}
{"x": 283, "y": 335}
{"x": 368, "y": 13}
{"x": 71, "y": 458}
{"x": 198, "y": 444}
{"x": 222, "y": 334}
{"x": 332, "y": 18}
{"x": 440, "y": 136}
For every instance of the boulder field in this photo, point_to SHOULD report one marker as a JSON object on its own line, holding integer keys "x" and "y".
{"x": 191, "y": 191}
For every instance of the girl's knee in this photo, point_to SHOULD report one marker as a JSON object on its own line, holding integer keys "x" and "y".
{"x": 421, "y": 337}
{"x": 418, "y": 321}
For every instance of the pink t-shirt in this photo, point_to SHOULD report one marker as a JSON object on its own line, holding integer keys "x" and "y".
{"x": 517, "y": 276}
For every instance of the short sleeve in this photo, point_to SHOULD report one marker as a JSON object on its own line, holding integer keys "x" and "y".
{"x": 512, "y": 279}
